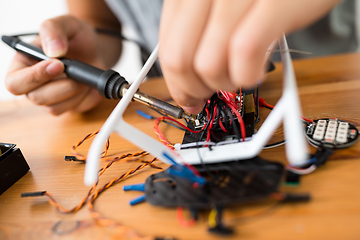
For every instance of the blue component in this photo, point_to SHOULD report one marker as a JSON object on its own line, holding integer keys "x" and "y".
{"x": 170, "y": 158}
{"x": 312, "y": 160}
{"x": 135, "y": 187}
{"x": 184, "y": 172}
{"x": 137, "y": 200}
{"x": 147, "y": 116}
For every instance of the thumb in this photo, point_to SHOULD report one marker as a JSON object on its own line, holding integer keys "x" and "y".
{"x": 53, "y": 38}
{"x": 55, "y": 34}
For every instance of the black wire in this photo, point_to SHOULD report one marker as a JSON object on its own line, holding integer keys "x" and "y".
{"x": 25, "y": 34}
{"x": 257, "y": 105}
{"x": 217, "y": 117}
{"x": 119, "y": 35}
{"x": 201, "y": 114}
{"x": 111, "y": 33}
{"x": 207, "y": 125}
{"x": 222, "y": 107}
{"x": 265, "y": 212}
{"x": 202, "y": 161}
{"x": 236, "y": 129}
{"x": 98, "y": 30}
{"x": 173, "y": 124}
{"x": 305, "y": 122}
{"x": 270, "y": 108}
{"x": 321, "y": 155}
{"x": 274, "y": 144}
{"x": 186, "y": 121}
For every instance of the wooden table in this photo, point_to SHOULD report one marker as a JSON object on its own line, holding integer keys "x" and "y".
{"x": 329, "y": 87}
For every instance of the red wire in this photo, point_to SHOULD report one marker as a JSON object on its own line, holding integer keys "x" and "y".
{"x": 167, "y": 143}
{"x": 222, "y": 126}
{"x": 262, "y": 103}
{"x": 227, "y": 96}
{"x": 160, "y": 134}
{"x": 307, "y": 120}
{"x": 157, "y": 121}
{"x": 233, "y": 107}
{"x": 207, "y": 113}
{"x": 241, "y": 121}
{"x": 181, "y": 219}
{"x": 267, "y": 105}
{"x": 193, "y": 169}
{"x": 211, "y": 124}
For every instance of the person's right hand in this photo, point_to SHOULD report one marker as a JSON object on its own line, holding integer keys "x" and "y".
{"x": 206, "y": 45}
{"x": 44, "y": 83}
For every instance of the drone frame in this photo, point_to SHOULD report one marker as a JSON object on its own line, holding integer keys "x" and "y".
{"x": 287, "y": 109}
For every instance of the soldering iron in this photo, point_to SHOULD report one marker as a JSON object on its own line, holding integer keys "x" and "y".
{"x": 109, "y": 83}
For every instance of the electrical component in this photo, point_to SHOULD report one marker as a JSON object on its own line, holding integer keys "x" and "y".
{"x": 219, "y": 122}
{"x": 12, "y": 165}
{"x": 216, "y": 224}
{"x": 287, "y": 109}
{"x": 331, "y": 133}
{"x": 226, "y": 183}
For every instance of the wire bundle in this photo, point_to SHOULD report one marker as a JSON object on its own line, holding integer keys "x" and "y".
{"x": 218, "y": 113}
{"x": 94, "y": 193}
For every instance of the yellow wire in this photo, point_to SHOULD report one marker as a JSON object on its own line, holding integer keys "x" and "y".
{"x": 212, "y": 218}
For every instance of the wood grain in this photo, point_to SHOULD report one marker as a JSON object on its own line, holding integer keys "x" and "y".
{"x": 328, "y": 87}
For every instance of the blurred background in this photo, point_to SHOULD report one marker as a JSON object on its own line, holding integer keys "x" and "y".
{"x": 24, "y": 16}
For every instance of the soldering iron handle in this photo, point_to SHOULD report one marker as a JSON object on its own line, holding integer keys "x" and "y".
{"x": 32, "y": 51}
{"x": 82, "y": 72}
{"x": 108, "y": 83}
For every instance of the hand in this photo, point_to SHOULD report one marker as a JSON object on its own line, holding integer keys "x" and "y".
{"x": 44, "y": 82}
{"x": 207, "y": 45}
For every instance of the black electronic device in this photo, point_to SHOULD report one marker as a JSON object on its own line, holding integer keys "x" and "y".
{"x": 226, "y": 184}
{"x": 12, "y": 165}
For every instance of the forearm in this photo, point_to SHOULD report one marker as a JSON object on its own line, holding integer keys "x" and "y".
{"x": 110, "y": 48}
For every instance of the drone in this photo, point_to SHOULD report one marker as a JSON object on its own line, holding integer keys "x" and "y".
{"x": 287, "y": 109}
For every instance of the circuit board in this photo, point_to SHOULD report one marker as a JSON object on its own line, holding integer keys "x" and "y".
{"x": 331, "y": 133}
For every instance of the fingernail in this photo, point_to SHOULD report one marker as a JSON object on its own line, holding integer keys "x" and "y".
{"x": 55, "y": 68}
{"x": 192, "y": 110}
{"x": 55, "y": 48}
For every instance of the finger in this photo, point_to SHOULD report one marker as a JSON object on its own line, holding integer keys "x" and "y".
{"x": 262, "y": 25}
{"x": 211, "y": 61}
{"x": 249, "y": 44}
{"x": 81, "y": 102}
{"x": 179, "y": 38}
{"x": 71, "y": 103}
{"x": 55, "y": 33}
{"x": 22, "y": 79}
{"x": 55, "y": 91}
{"x": 91, "y": 100}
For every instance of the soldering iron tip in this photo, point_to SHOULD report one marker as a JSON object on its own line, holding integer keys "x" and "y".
{"x": 188, "y": 117}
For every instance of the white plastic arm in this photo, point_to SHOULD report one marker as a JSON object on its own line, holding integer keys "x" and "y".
{"x": 115, "y": 122}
